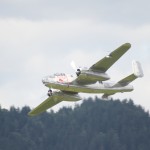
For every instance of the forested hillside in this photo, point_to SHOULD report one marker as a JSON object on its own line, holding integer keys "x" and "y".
{"x": 95, "y": 125}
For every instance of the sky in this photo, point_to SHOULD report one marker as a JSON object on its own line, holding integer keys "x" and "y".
{"x": 42, "y": 37}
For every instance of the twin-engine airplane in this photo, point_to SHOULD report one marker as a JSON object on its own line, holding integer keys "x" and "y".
{"x": 87, "y": 81}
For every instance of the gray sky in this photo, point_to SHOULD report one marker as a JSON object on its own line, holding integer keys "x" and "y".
{"x": 41, "y": 37}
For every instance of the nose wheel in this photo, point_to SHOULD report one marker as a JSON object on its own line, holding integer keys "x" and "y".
{"x": 49, "y": 92}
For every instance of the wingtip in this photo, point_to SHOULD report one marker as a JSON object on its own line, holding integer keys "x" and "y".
{"x": 30, "y": 114}
{"x": 128, "y": 45}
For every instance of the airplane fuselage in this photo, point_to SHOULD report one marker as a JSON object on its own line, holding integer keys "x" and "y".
{"x": 64, "y": 82}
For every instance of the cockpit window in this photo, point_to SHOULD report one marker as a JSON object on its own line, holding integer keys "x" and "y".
{"x": 51, "y": 76}
{"x": 59, "y": 74}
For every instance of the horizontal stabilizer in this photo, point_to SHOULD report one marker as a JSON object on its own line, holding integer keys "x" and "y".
{"x": 137, "y": 72}
{"x": 106, "y": 95}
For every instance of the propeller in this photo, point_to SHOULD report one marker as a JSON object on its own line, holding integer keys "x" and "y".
{"x": 77, "y": 69}
{"x": 73, "y": 65}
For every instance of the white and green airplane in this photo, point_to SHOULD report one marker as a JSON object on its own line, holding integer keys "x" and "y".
{"x": 65, "y": 87}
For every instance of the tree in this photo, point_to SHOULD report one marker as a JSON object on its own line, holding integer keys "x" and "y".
{"x": 94, "y": 125}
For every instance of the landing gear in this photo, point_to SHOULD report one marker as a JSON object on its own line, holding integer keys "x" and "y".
{"x": 49, "y": 92}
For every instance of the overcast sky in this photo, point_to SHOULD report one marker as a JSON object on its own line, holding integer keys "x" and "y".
{"x": 41, "y": 37}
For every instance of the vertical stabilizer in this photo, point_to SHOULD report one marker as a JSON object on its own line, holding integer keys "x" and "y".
{"x": 137, "y": 69}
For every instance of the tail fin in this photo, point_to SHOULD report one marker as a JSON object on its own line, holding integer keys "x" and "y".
{"x": 137, "y": 73}
{"x": 137, "y": 69}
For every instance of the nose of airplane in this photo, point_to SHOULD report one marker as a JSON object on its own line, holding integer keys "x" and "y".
{"x": 44, "y": 80}
{"x": 47, "y": 79}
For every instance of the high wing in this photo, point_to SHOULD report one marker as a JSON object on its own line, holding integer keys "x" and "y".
{"x": 104, "y": 64}
{"x": 97, "y": 71}
{"x": 56, "y": 98}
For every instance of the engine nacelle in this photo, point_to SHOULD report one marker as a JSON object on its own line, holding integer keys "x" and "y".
{"x": 66, "y": 96}
{"x": 94, "y": 76}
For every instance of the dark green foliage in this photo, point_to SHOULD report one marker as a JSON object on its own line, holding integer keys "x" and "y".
{"x": 95, "y": 125}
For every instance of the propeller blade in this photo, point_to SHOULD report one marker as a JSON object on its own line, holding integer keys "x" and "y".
{"x": 73, "y": 65}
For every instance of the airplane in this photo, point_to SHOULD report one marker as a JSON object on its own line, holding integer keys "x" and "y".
{"x": 66, "y": 87}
